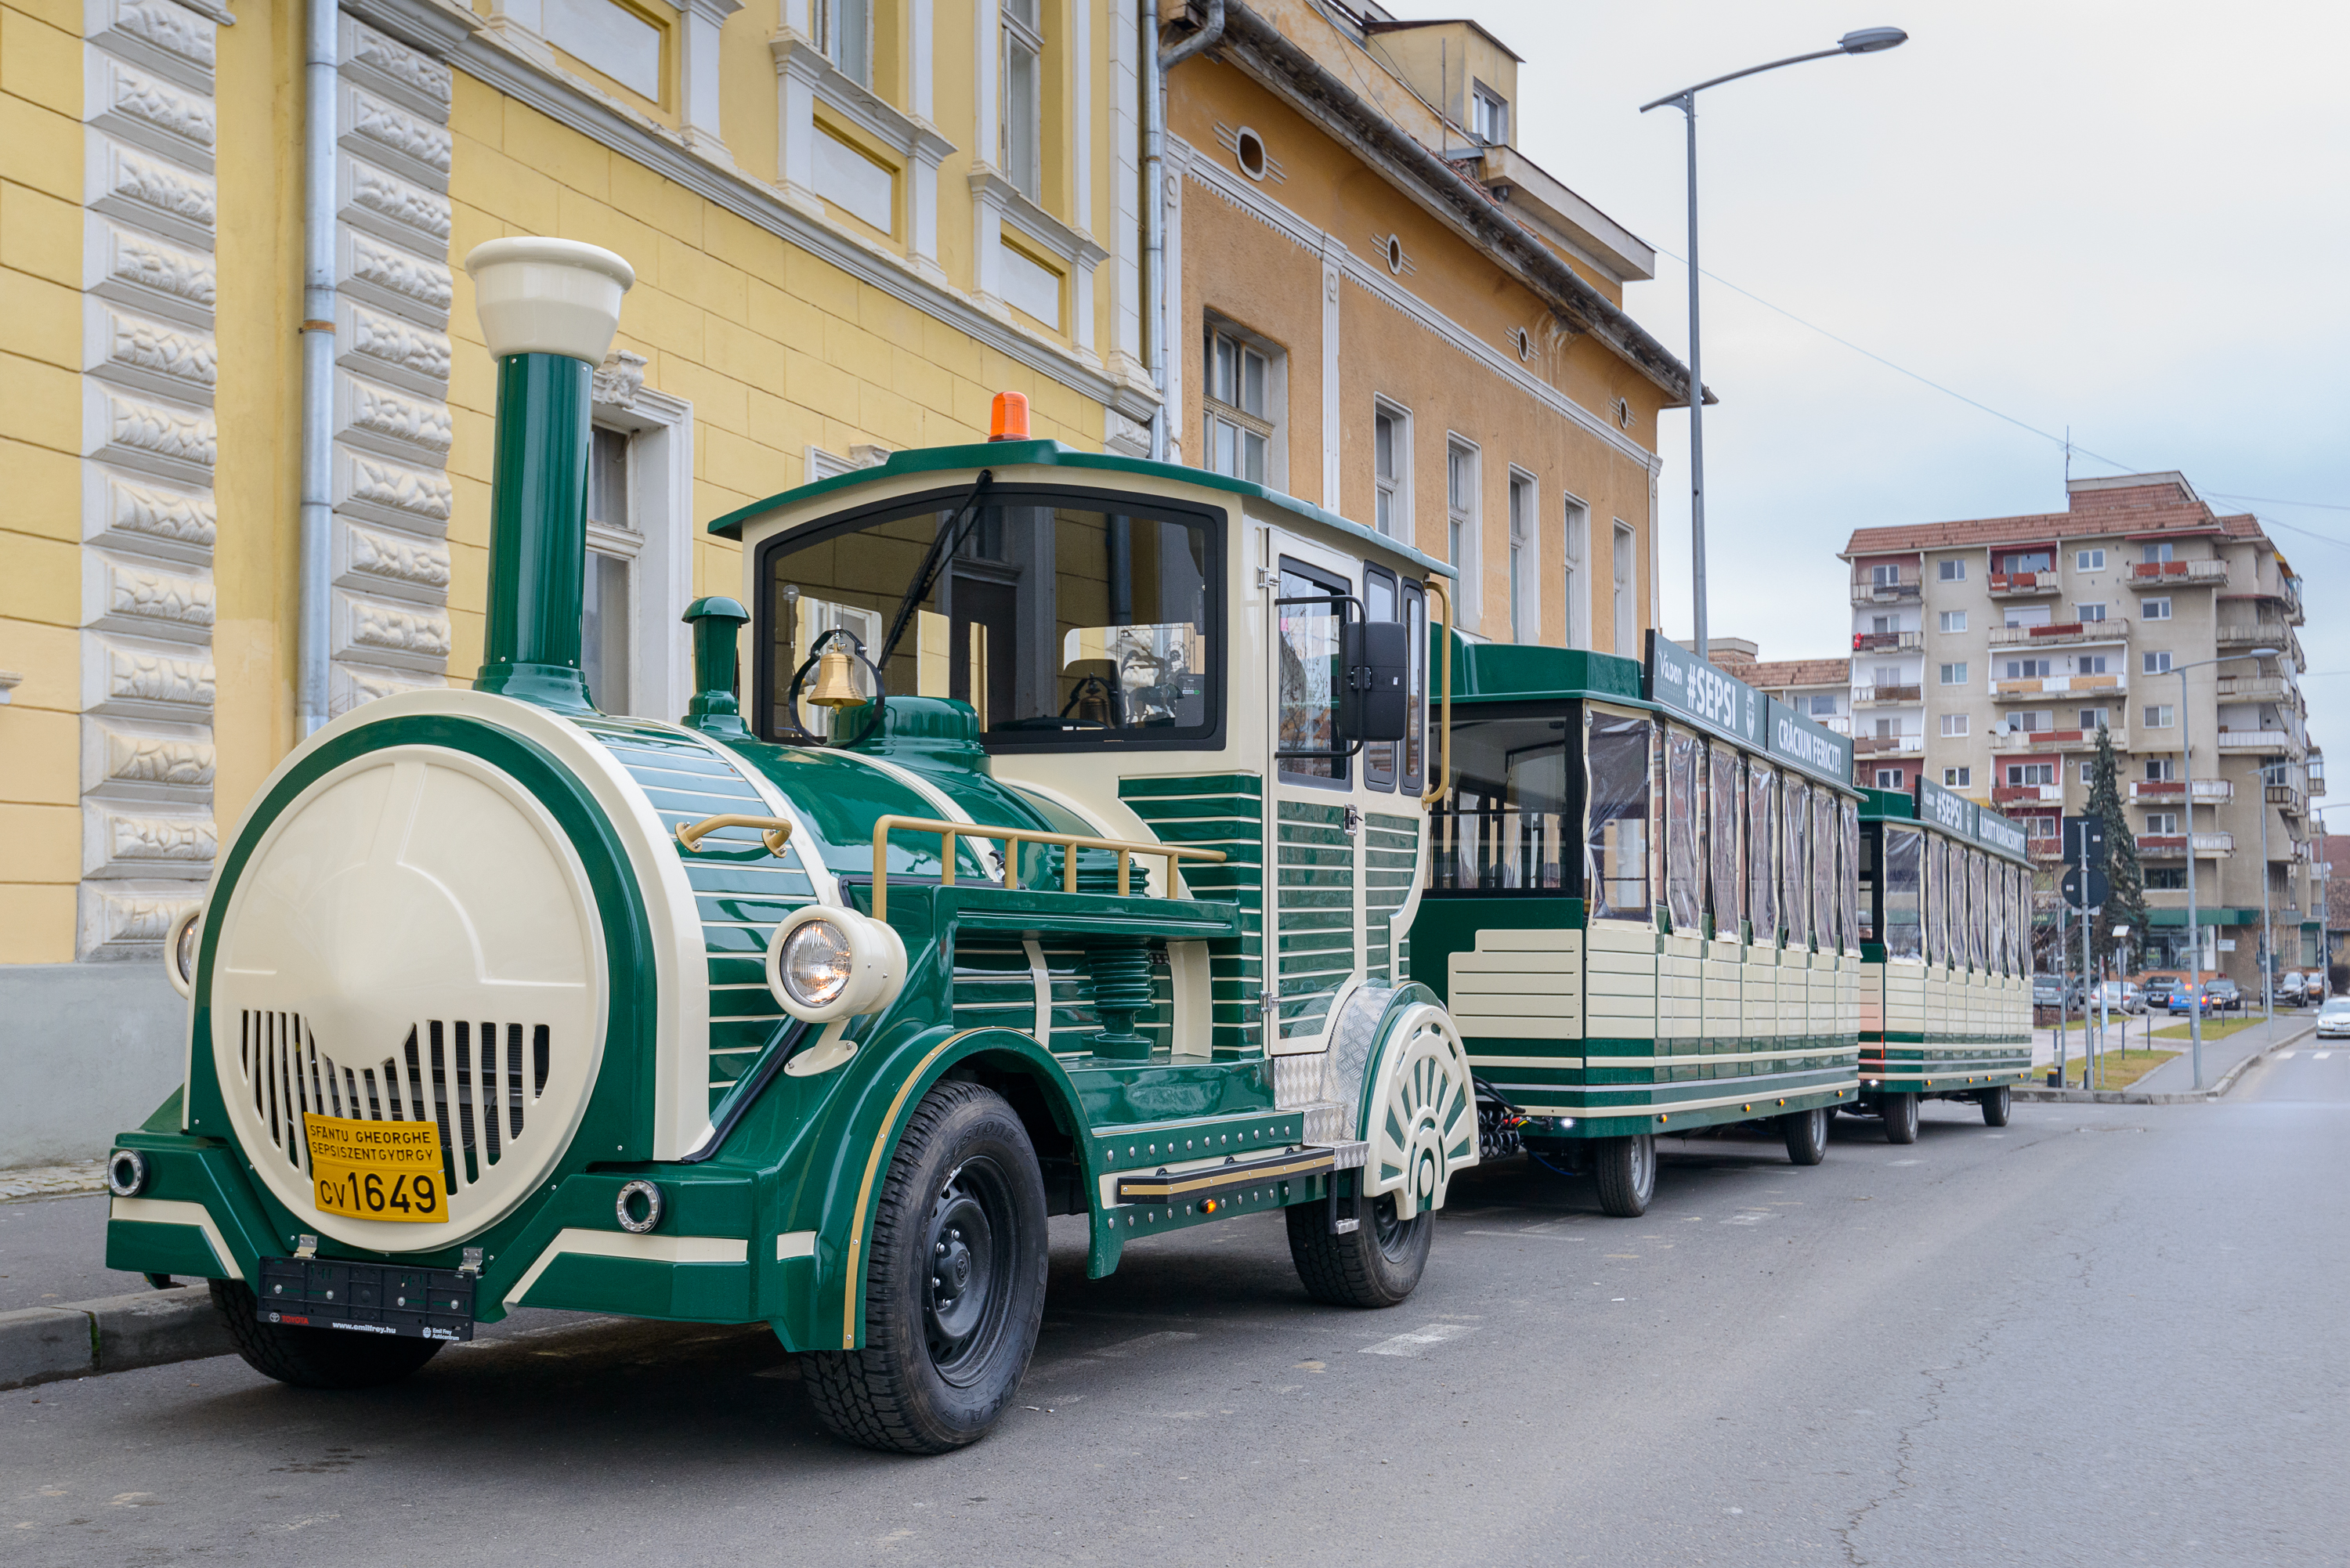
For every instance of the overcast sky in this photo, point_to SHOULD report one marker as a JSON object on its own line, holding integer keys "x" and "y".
{"x": 2130, "y": 218}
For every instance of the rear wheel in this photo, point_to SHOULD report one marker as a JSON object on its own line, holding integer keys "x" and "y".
{"x": 1626, "y": 1169}
{"x": 1807, "y": 1133}
{"x": 315, "y": 1358}
{"x": 1995, "y": 1104}
{"x": 954, "y": 1284}
{"x": 1900, "y": 1113}
{"x": 1376, "y": 1264}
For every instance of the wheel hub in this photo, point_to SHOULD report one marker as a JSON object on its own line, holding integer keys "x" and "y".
{"x": 966, "y": 1284}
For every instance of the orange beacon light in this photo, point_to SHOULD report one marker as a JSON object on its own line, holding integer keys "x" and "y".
{"x": 1008, "y": 420}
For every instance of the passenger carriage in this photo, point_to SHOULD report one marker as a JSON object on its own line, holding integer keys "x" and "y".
{"x": 1641, "y": 908}
{"x": 1054, "y": 857}
{"x": 1945, "y": 987}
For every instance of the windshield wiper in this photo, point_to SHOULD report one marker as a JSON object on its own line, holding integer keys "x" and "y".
{"x": 949, "y": 539}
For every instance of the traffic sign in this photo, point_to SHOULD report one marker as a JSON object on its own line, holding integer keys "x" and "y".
{"x": 2085, "y": 841}
{"x": 2099, "y": 886}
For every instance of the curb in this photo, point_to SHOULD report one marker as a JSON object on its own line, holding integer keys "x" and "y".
{"x": 113, "y": 1334}
{"x": 2190, "y": 1097}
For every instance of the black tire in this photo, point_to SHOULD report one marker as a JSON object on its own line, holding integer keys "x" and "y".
{"x": 940, "y": 1362}
{"x": 1625, "y": 1169}
{"x": 1377, "y": 1264}
{"x": 1901, "y": 1112}
{"x": 1996, "y": 1104}
{"x": 1807, "y": 1133}
{"x": 315, "y": 1357}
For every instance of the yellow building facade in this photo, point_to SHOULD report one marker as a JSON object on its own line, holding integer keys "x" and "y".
{"x": 246, "y": 417}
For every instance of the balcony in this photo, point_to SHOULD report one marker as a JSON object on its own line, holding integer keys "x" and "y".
{"x": 1879, "y": 696}
{"x": 2056, "y": 686}
{"x": 1866, "y": 593}
{"x": 2259, "y": 741}
{"x": 2116, "y": 630}
{"x": 1889, "y": 746}
{"x": 2256, "y": 689}
{"x": 2173, "y": 845}
{"x": 1887, "y": 642}
{"x": 2287, "y": 799}
{"x": 2051, "y": 848}
{"x": 2266, "y": 631}
{"x": 2315, "y": 768}
{"x": 2027, "y": 795}
{"x": 2023, "y": 585}
{"x": 2159, "y": 792}
{"x": 2057, "y": 740}
{"x": 2179, "y": 573}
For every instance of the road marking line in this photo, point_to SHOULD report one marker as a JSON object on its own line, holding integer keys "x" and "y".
{"x": 2318, "y": 1055}
{"x": 1906, "y": 1162}
{"x": 1754, "y": 1217}
{"x": 1165, "y": 1337}
{"x": 2287, "y": 1055}
{"x": 1530, "y": 1235}
{"x": 1420, "y": 1339}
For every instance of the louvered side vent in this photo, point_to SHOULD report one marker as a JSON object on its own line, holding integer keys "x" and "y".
{"x": 480, "y": 1083}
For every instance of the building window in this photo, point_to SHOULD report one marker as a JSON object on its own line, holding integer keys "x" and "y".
{"x": 2156, "y": 664}
{"x": 1954, "y": 674}
{"x": 2029, "y": 668}
{"x": 1823, "y": 704}
{"x": 2032, "y": 773}
{"x": 1578, "y": 576}
{"x": 2161, "y": 770}
{"x": 1460, "y": 508}
{"x": 1391, "y": 470}
{"x": 1885, "y": 577}
{"x": 2095, "y": 719}
{"x": 2162, "y": 822}
{"x": 1023, "y": 95}
{"x": 610, "y": 38}
{"x": 1488, "y": 115}
{"x": 2088, "y": 775}
{"x": 1954, "y": 723}
{"x": 2090, "y": 664}
{"x": 2042, "y": 828}
{"x": 1525, "y": 617}
{"x": 2152, "y": 555}
{"x": 2089, "y": 612}
{"x": 2166, "y": 879}
{"x": 2017, "y": 562}
{"x": 1889, "y": 778}
{"x": 2158, "y": 716}
{"x": 1954, "y": 620}
{"x": 2154, "y": 610}
{"x": 1239, "y": 411}
{"x": 608, "y": 618}
{"x": 1627, "y": 620}
{"x": 2039, "y": 719}
{"x": 844, "y": 33}
{"x": 2089, "y": 561}
{"x": 1958, "y": 778}
{"x": 1885, "y": 624}
{"x": 1952, "y": 571}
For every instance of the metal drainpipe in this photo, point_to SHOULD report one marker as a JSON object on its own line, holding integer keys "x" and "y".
{"x": 317, "y": 544}
{"x": 1156, "y": 64}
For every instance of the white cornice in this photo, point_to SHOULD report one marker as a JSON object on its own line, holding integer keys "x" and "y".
{"x": 489, "y": 60}
{"x": 1032, "y": 220}
{"x": 1251, "y": 199}
{"x": 875, "y": 116}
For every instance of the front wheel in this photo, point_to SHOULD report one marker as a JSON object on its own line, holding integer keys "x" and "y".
{"x": 1807, "y": 1133}
{"x": 1626, "y": 1169}
{"x": 315, "y": 1358}
{"x": 1376, "y": 1264}
{"x": 1900, "y": 1113}
{"x": 954, "y": 1284}
{"x": 1995, "y": 1104}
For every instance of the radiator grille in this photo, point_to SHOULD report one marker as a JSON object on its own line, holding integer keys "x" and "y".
{"x": 480, "y": 1081}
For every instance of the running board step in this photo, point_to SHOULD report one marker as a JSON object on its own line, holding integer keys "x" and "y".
{"x": 1235, "y": 1174}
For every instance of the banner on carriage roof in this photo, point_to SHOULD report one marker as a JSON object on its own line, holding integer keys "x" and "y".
{"x": 1944, "y": 809}
{"x": 1688, "y": 688}
{"x": 1807, "y": 746}
{"x": 1995, "y": 831}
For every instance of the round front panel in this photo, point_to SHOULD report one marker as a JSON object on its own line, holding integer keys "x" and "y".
{"x": 413, "y": 941}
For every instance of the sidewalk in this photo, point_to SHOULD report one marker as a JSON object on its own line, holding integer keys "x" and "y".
{"x": 2175, "y": 1078}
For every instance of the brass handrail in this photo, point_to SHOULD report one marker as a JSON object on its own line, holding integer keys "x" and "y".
{"x": 775, "y": 831}
{"x": 949, "y": 831}
{"x": 1445, "y": 778}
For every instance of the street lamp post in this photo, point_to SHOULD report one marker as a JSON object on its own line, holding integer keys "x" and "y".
{"x": 2194, "y": 932}
{"x": 1866, "y": 41}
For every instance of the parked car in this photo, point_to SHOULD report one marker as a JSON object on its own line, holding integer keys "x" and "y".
{"x": 2226, "y": 995}
{"x": 2292, "y": 989}
{"x": 2118, "y": 996}
{"x": 2333, "y": 1018}
{"x": 2160, "y": 988}
{"x": 2185, "y": 999}
{"x": 2047, "y": 991}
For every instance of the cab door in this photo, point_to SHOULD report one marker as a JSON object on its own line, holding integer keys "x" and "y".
{"x": 1314, "y": 917}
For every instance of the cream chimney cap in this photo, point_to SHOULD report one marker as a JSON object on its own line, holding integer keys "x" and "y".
{"x": 539, "y": 295}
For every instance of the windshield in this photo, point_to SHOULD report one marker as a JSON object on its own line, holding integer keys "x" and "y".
{"x": 1063, "y": 621}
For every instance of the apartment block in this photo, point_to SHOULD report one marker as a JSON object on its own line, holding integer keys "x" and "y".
{"x": 1988, "y": 653}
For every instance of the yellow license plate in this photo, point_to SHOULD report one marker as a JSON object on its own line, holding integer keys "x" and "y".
{"x": 377, "y": 1170}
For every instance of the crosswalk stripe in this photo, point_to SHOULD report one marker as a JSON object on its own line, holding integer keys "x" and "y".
{"x": 2320, "y": 1056}
{"x": 1420, "y": 1339}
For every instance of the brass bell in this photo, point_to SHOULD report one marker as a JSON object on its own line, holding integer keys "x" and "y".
{"x": 835, "y": 685}
{"x": 1092, "y": 705}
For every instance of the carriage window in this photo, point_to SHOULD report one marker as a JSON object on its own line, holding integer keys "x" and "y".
{"x": 1938, "y": 901}
{"x": 1762, "y": 851}
{"x": 1684, "y": 830}
{"x": 1979, "y": 895}
{"x": 1795, "y": 862}
{"x": 1507, "y": 824}
{"x": 1308, "y": 651}
{"x": 1824, "y": 870}
{"x": 1848, "y": 882}
{"x": 1995, "y": 905}
{"x": 1379, "y": 604}
{"x": 1727, "y": 842}
{"x": 1415, "y": 687}
{"x": 1904, "y": 874}
{"x": 1616, "y": 819}
{"x": 1064, "y": 625}
{"x": 1869, "y": 919}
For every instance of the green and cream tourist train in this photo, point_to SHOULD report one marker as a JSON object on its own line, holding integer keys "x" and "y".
{"x": 1057, "y": 861}
{"x": 1946, "y": 986}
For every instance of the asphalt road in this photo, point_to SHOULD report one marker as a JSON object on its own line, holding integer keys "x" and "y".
{"x": 2106, "y": 1334}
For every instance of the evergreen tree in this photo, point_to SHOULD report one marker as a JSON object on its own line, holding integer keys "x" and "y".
{"x": 2125, "y": 904}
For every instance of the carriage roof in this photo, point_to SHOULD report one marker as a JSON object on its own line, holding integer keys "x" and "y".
{"x": 1946, "y": 811}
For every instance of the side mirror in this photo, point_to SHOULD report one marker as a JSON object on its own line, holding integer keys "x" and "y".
{"x": 1372, "y": 705}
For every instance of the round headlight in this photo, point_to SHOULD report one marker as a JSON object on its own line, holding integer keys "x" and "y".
{"x": 180, "y": 945}
{"x": 817, "y": 963}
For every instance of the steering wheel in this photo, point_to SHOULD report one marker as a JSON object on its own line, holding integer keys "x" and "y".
{"x": 791, "y": 727}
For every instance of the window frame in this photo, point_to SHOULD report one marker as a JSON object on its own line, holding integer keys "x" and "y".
{"x": 1266, "y": 427}
{"x": 1341, "y": 776}
{"x": 1575, "y": 552}
{"x": 1015, "y": 32}
{"x": 1445, "y": 816}
{"x": 1525, "y": 545}
{"x": 1624, "y": 581}
{"x": 1463, "y": 552}
{"x": 2092, "y": 560}
{"x": 2147, "y": 610}
{"x": 1953, "y": 622}
{"x": 1394, "y": 488}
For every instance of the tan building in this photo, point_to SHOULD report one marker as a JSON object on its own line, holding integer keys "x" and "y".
{"x": 1988, "y": 653}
